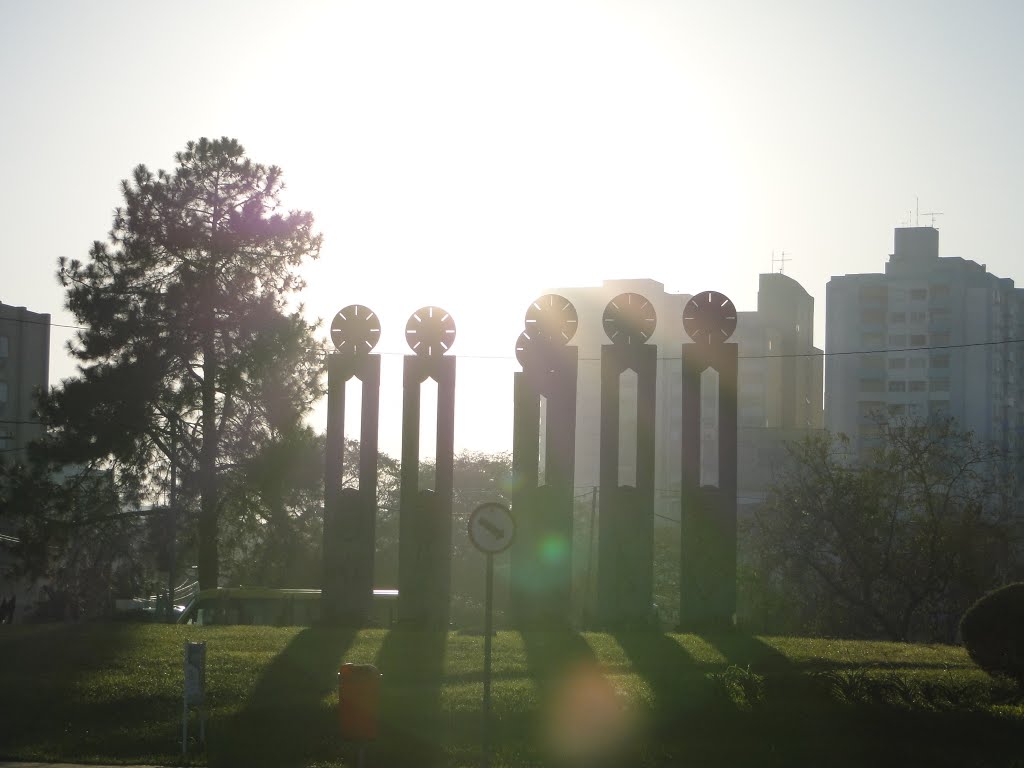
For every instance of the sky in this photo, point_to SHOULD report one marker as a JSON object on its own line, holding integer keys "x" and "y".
{"x": 472, "y": 154}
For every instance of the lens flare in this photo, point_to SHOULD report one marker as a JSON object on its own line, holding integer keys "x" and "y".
{"x": 586, "y": 720}
{"x": 553, "y": 549}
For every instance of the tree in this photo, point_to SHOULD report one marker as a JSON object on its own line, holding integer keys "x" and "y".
{"x": 71, "y": 538}
{"x": 477, "y": 478}
{"x": 190, "y": 352}
{"x": 274, "y": 535}
{"x": 896, "y": 545}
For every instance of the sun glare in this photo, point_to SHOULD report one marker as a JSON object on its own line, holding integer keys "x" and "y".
{"x": 467, "y": 156}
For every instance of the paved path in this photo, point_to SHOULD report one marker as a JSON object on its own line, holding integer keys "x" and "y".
{"x": 22, "y": 764}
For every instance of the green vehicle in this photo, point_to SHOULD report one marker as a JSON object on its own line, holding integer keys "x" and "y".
{"x": 273, "y": 607}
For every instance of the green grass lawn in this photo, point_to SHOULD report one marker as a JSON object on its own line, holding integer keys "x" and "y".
{"x": 112, "y": 693}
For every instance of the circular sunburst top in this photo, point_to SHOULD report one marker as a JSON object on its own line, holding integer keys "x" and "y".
{"x": 629, "y": 318}
{"x": 709, "y": 317}
{"x": 523, "y": 347}
{"x": 355, "y": 330}
{"x": 552, "y": 317}
{"x": 430, "y": 332}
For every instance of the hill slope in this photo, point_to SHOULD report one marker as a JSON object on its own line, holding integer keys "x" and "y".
{"x": 112, "y": 693}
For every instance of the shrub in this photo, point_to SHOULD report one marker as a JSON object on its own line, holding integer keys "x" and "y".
{"x": 993, "y": 632}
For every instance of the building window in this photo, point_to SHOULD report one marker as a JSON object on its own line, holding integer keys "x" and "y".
{"x": 5, "y": 346}
{"x": 873, "y": 293}
{"x": 897, "y": 386}
{"x": 940, "y": 339}
{"x": 939, "y": 315}
{"x": 899, "y": 409}
{"x": 940, "y": 385}
{"x": 870, "y": 431}
{"x": 897, "y": 363}
{"x": 917, "y": 362}
{"x": 940, "y": 361}
{"x": 3, "y": 396}
{"x": 918, "y": 339}
{"x": 918, "y": 386}
{"x": 897, "y": 317}
{"x": 871, "y": 340}
{"x": 6, "y": 439}
{"x": 872, "y": 317}
{"x": 918, "y": 294}
{"x": 870, "y": 410}
{"x": 940, "y": 291}
{"x": 872, "y": 362}
{"x": 871, "y": 385}
{"x": 897, "y": 339}
{"x": 917, "y": 317}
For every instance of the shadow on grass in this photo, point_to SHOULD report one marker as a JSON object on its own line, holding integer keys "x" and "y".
{"x": 793, "y": 721}
{"x": 414, "y": 729}
{"x": 51, "y": 660}
{"x": 801, "y": 722}
{"x": 289, "y": 719}
{"x": 679, "y": 684}
{"x": 550, "y": 654}
{"x": 575, "y": 702}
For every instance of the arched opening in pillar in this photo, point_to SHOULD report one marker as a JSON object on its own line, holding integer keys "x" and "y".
{"x": 709, "y": 427}
{"x": 353, "y": 421}
{"x": 428, "y": 435}
{"x": 542, "y": 441}
{"x": 628, "y": 389}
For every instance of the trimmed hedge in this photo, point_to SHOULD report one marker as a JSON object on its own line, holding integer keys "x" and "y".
{"x": 993, "y": 632}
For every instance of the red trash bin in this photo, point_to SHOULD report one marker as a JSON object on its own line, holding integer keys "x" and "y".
{"x": 358, "y": 701}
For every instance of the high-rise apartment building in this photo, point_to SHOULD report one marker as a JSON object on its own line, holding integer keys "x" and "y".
{"x": 779, "y": 383}
{"x": 931, "y": 336}
{"x": 24, "y": 370}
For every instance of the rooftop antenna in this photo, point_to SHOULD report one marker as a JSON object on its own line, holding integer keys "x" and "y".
{"x": 933, "y": 214}
{"x": 781, "y": 261}
{"x": 917, "y": 211}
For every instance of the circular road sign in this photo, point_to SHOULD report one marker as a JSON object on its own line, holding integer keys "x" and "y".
{"x": 492, "y": 528}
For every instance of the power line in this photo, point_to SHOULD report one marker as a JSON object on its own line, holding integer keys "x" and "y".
{"x": 776, "y": 356}
{"x": 50, "y": 324}
{"x": 925, "y": 348}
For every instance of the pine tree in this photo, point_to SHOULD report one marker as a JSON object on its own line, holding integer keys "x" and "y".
{"x": 190, "y": 351}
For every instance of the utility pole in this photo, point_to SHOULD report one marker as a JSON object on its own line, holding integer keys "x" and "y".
{"x": 173, "y": 522}
{"x": 589, "y": 611}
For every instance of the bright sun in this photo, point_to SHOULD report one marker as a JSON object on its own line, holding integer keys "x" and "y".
{"x": 470, "y": 155}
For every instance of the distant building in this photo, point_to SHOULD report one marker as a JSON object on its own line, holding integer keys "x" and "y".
{"x": 24, "y": 371}
{"x": 928, "y": 337}
{"x": 780, "y": 386}
{"x": 590, "y": 303}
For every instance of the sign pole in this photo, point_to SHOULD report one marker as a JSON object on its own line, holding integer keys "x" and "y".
{"x": 491, "y": 530}
{"x": 488, "y": 631}
{"x": 195, "y": 690}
